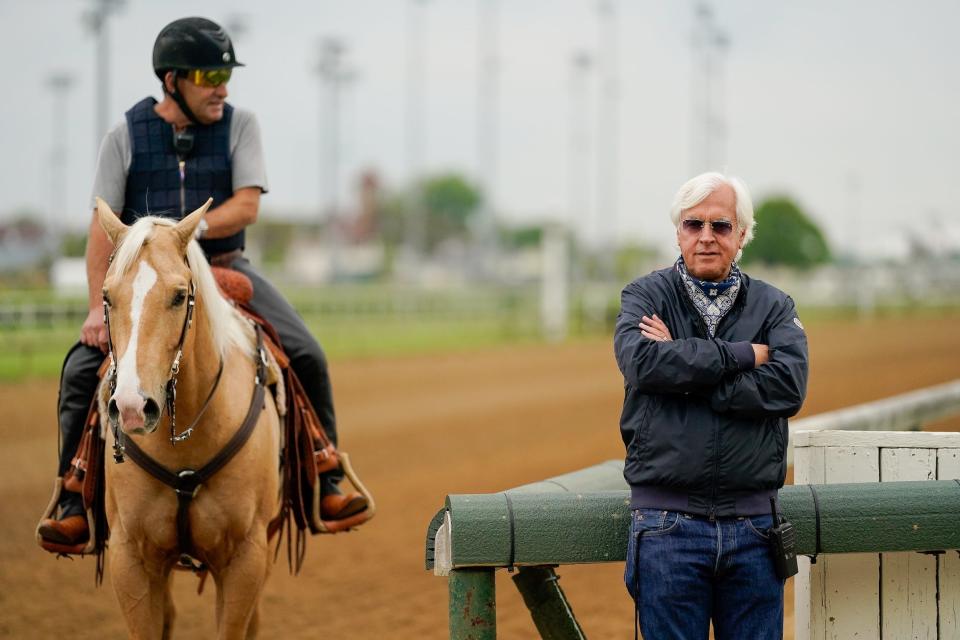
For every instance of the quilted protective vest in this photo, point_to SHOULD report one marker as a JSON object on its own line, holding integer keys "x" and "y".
{"x": 155, "y": 185}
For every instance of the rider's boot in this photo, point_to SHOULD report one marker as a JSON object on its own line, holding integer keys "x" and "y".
{"x": 336, "y": 505}
{"x": 70, "y": 527}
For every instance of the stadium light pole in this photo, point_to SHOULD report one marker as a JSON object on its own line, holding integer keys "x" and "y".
{"x": 333, "y": 77}
{"x": 488, "y": 94}
{"x": 608, "y": 125}
{"x": 709, "y": 124}
{"x": 96, "y": 20}
{"x": 720, "y": 43}
{"x": 238, "y": 25}
{"x": 415, "y": 230}
{"x": 59, "y": 82}
{"x": 578, "y": 156}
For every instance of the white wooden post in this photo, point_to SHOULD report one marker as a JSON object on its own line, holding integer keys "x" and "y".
{"x": 892, "y": 595}
{"x": 948, "y": 466}
{"x": 555, "y": 283}
{"x": 909, "y": 580}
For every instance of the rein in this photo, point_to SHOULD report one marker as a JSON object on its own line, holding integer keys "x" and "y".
{"x": 172, "y": 397}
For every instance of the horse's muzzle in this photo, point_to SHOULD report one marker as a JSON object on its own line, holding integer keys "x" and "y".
{"x": 139, "y": 416}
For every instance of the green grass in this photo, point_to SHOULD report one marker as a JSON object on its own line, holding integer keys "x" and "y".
{"x": 348, "y": 320}
{"x": 352, "y": 322}
{"x": 36, "y": 353}
{"x": 39, "y": 353}
{"x": 392, "y": 337}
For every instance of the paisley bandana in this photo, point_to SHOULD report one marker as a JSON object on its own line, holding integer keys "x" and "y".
{"x": 712, "y": 299}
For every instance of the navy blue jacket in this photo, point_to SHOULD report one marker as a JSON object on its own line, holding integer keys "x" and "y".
{"x": 705, "y": 430}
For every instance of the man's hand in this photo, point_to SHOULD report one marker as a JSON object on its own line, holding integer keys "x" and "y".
{"x": 761, "y": 354}
{"x": 94, "y": 331}
{"x": 655, "y": 329}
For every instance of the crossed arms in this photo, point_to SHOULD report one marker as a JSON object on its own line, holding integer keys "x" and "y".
{"x": 770, "y": 384}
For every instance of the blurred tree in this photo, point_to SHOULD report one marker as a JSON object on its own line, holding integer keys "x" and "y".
{"x": 73, "y": 244}
{"x": 449, "y": 202}
{"x": 521, "y": 237}
{"x": 394, "y": 220}
{"x": 785, "y": 236}
{"x": 632, "y": 260}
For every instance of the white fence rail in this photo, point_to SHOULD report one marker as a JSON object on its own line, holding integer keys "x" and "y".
{"x": 904, "y": 412}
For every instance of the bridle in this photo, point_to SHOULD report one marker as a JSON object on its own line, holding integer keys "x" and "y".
{"x": 187, "y": 482}
{"x": 171, "y": 385}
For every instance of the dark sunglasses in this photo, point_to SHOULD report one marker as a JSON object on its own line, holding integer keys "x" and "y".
{"x": 209, "y": 77}
{"x": 720, "y": 228}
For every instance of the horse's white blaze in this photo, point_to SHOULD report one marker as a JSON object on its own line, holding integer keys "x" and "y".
{"x": 127, "y": 393}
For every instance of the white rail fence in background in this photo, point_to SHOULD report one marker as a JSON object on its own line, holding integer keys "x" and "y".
{"x": 903, "y": 412}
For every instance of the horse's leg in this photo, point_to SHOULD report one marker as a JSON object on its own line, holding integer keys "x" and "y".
{"x": 141, "y": 593}
{"x": 219, "y": 605}
{"x": 169, "y": 610}
{"x": 241, "y": 584}
{"x": 254, "y": 627}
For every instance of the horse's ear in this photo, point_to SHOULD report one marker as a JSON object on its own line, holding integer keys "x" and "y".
{"x": 110, "y": 222}
{"x": 186, "y": 227}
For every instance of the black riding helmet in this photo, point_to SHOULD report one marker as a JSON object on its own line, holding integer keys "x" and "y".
{"x": 192, "y": 43}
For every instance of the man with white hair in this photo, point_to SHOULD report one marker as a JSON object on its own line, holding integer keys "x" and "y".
{"x": 714, "y": 362}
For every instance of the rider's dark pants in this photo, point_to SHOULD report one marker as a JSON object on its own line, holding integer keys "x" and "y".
{"x": 78, "y": 380}
{"x": 306, "y": 356}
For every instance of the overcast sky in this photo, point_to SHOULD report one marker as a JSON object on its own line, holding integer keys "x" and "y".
{"x": 850, "y": 107}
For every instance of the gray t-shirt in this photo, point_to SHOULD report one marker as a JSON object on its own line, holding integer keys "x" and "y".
{"x": 113, "y": 162}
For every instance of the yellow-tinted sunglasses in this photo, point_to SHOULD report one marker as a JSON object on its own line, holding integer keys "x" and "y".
{"x": 209, "y": 77}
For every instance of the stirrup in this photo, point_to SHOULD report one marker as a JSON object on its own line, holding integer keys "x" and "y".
{"x": 319, "y": 525}
{"x": 79, "y": 548}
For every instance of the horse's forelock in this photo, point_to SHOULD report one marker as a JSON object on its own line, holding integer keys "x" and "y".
{"x": 139, "y": 234}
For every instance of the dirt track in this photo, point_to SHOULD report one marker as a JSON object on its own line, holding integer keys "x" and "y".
{"x": 417, "y": 429}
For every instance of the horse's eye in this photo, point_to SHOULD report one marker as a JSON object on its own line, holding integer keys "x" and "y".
{"x": 178, "y": 298}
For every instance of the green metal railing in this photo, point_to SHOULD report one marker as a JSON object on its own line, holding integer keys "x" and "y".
{"x": 584, "y": 517}
{"x": 538, "y": 585}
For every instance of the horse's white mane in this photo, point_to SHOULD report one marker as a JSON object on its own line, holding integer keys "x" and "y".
{"x": 227, "y": 326}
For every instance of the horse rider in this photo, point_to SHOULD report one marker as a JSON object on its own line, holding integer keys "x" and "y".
{"x": 166, "y": 158}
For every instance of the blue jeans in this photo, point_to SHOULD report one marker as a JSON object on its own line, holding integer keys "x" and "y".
{"x": 692, "y": 570}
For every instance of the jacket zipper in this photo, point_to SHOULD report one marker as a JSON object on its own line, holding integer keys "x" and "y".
{"x": 712, "y": 513}
{"x": 738, "y": 305}
{"x": 183, "y": 193}
{"x": 716, "y": 471}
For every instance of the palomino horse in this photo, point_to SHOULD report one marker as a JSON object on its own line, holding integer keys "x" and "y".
{"x": 207, "y": 372}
